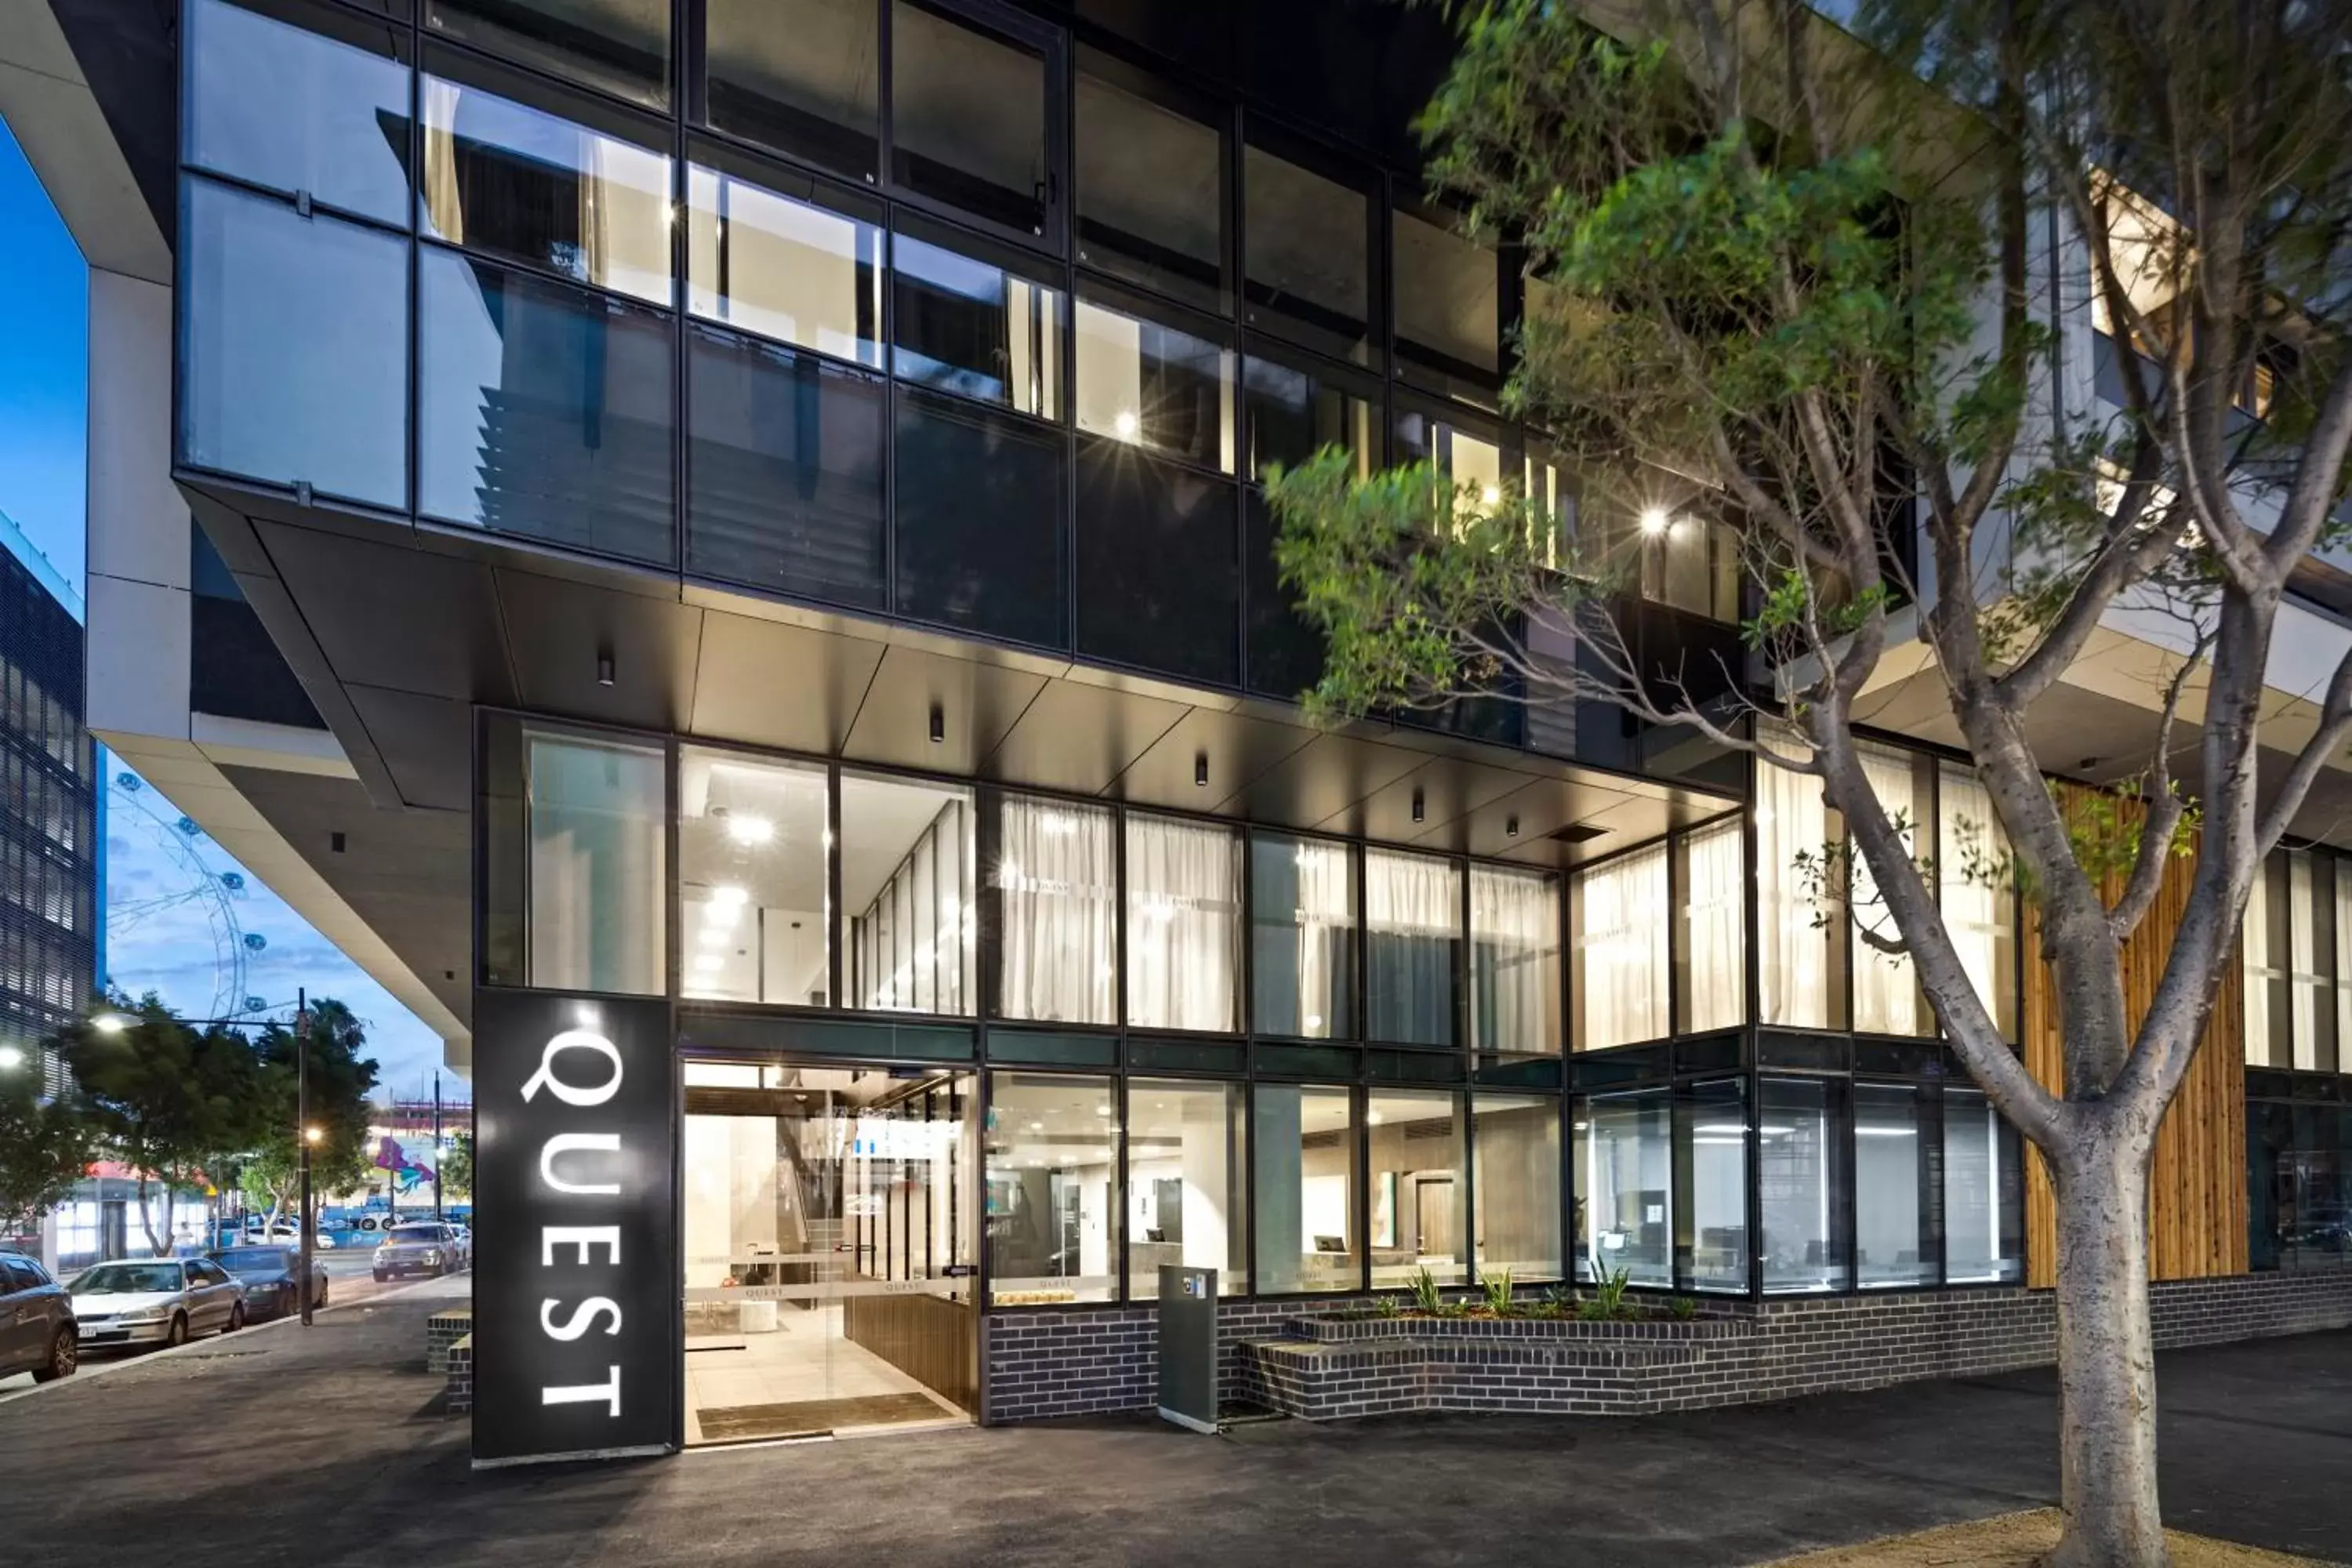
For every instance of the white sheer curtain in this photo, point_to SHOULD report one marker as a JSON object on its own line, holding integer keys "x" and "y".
{"x": 1323, "y": 907}
{"x": 1621, "y": 950}
{"x": 1885, "y": 990}
{"x": 1712, "y": 922}
{"x": 1413, "y": 915}
{"x": 1971, "y": 866}
{"x": 1793, "y": 951}
{"x": 1515, "y": 946}
{"x": 1183, "y": 924}
{"x": 1054, "y": 873}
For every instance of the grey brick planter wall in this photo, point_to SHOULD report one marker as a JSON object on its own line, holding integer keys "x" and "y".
{"x": 1075, "y": 1361}
{"x": 460, "y": 1377}
{"x": 442, "y": 1329}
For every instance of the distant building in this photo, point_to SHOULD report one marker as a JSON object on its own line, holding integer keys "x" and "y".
{"x": 49, "y": 838}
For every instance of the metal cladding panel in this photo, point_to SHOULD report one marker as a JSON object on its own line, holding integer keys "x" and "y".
{"x": 576, "y": 1270}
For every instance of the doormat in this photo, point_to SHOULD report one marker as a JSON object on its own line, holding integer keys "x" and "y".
{"x": 813, "y": 1417}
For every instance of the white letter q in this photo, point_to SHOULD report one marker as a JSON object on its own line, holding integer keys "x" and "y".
{"x": 574, "y": 1039}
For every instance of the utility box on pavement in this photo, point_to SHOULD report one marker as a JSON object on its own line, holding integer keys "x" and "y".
{"x": 1188, "y": 1346}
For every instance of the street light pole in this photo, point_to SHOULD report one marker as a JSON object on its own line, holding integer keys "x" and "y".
{"x": 436, "y": 1146}
{"x": 302, "y": 1137}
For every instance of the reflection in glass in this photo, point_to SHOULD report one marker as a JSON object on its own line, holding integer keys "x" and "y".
{"x": 620, "y": 46}
{"x": 1514, "y": 961}
{"x": 1284, "y": 652}
{"x": 1717, "y": 1114}
{"x": 1057, "y": 887}
{"x": 1515, "y": 1165}
{"x": 980, "y": 521}
{"x": 519, "y": 182}
{"x": 789, "y": 269}
{"x": 1150, "y": 193}
{"x": 968, "y": 118}
{"x": 276, "y": 106}
{"x": 542, "y": 410}
{"x": 1294, "y": 414}
{"x": 1468, "y": 456}
{"x": 1711, "y": 967}
{"x": 1418, "y": 1196}
{"x": 1053, "y": 1180}
{"x": 1894, "y": 1200}
{"x": 293, "y": 364}
{"x": 1446, "y": 293}
{"x": 1412, "y": 926}
{"x": 1984, "y": 1192}
{"x": 913, "y": 933}
{"x": 598, "y": 817}
{"x": 1155, "y": 387}
{"x": 971, "y": 327}
{"x": 1617, "y": 949}
{"x": 1304, "y": 1159}
{"x": 1302, "y": 937}
{"x": 752, "y": 871}
{"x": 1183, "y": 924}
{"x": 1624, "y": 1147}
{"x": 1798, "y": 1134}
{"x": 1158, "y": 587}
{"x": 783, "y": 470}
{"x": 1978, "y": 888}
{"x": 811, "y": 88}
{"x": 1188, "y": 1192}
{"x": 1306, "y": 237}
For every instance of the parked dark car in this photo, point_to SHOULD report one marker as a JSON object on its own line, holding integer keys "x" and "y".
{"x": 269, "y": 1277}
{"x": 37, "y": 1332}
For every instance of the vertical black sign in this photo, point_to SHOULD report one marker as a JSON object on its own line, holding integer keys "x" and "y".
{"x": 575, "y": 1202}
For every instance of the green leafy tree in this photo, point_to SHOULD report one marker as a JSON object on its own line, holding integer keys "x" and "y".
{"x": 342, "y": 1078}
{"x": 44, "y": 1148}
{"x": 1796, "y": 291}
{"x": 457, "y": 1168}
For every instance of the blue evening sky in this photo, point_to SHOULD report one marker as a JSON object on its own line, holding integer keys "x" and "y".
{"x": 182, "y": 913}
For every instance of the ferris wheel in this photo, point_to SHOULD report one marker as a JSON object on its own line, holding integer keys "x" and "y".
{"x": 191, "y": 880}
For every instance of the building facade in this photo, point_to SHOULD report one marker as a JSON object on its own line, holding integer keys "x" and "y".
{"x": 717, "y": 550}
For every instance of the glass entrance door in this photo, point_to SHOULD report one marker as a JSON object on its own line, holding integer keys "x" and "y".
{"x": 830, "y": 1233}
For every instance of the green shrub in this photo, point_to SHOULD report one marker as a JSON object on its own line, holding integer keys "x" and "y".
{"x": 1683, "y": 1307}
{"x": 1424, "y": 1294}
{"x": 1497, "y": 1287}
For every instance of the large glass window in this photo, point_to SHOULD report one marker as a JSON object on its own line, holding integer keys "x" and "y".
{"x": 2311, "y": 957}
{"x": 598, "y": 820}
{"x": 753, "y": 879}
{"x": 1977, "y": 890}
{"x": 1623, "y": 1146}
{"x": 1470, "y": 452}
{"x": 1151, "y": 190}
{"x": 1984, "y": 1188}
{"x": 786, "y": 267}
{"x": 543, "y": 411}
{"x": 809, "y": 85}
{"x": 530, "y": 186}
{"x": 911, "y": 932}
{"x": 1303, "y": 1155}
{"x": 1799, "y": 928}
{"x": 1184, "y": 925}
{"x": 2270, "y": 1039}
{"x": 293, "y": 368}
{"x": 1052, "y": 1184}
{"x": 1187, "y": 1183}
{"x": 620, "y": 46}
{"x": 1711, "y": 968}
{"x": 975, "y": 328}
{"x": 1306, "y": 268}
{"x": 1302, "y": 937}
{"x": 1715, "y": 1177}
{"x": 1153, "y": 386}
{"x": 1058, "y": 886}
{"x": 1158, "y": 583}
{"x": 1412, "y": 933}
{"x": 1886, "y": 997}
{"x": 1446, "y": 293}
{"x": 980, "y": 519}
{"x": 1419, "y": 1199}
{"x": 1896, "y": 1203}
{"x": 783, "y": 470}
{"x": 1514, "y": 961}
{"x": 1800, "y": 1186}
{"x": 280, "y": 107}
{"x": 968, "y": 112}
{"x": 1618, "y": 956}
{"x": 1515, "y": 1184}
{"x": 1291, "y": 415}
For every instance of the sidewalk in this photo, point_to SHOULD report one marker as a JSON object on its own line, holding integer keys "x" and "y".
{"x": 326, "y": 1448}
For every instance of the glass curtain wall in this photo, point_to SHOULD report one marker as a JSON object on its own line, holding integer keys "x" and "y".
{"x": 754, "y": 895}
{"x": 1052, "y": 1172}
{"x": 1302, "y": 937}
{"x": 1799, "y": 945}
{"x": 1801, "y": 1185}
{"x": 1984, "y": 1193}
{"x": 1713, "y": 1241}
{"x": 911, "y": 937}
{"x": 1057, "y": 888}
{"x": 1420, "y": 1196}
{"x": 1516, "y": 1187}
{"x": 1623, "y": 1146}
{"x": 1303, "y": 1153}
{"x": 1620, "y": 975}
{"x": 1515, "y": 969}
{"x": 1897, "y": 1202}
{"x": 1412, "y": 933}
{"x": 1887, "y": 995}
{"x": 1187, "y": 1183}
{"x": 597, "y": 878}
{"x": 1979, "y": 889}
{"x": 1184, "y": 925}
{"x": 1711, "y": 966}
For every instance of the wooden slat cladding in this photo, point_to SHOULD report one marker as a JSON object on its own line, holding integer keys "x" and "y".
{"x": 2197, "y": 1190}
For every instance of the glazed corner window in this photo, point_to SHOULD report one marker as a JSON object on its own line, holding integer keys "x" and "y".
{"x": 1980, "y": 901}
{"x": 619, "y": 46}
{"x": 1624, "y": 1153}
{"x": 1057, "y": 886}
{"x": 969, "y": 119}
{"x": 1617, "y": 949}
{"x": 1710, "y": 967}
{"x": 805, "y": 80}
{"x": 1515, "y": 1166}
{"x": 1800, "y": 1125}
{"x": 1150, "y": 191}
{"x": 1984, "y": 1192}
{"x": 1446, "y": 293}
{"x": 974, "y": 327}
{"x": 1413, "y": 929}
{"x": 1896, "y": 1198}
{"x": 1052, "y": 1184}
{"x": 1187, "y": 1184}
{"x": 1714, "y": 1120}
{"x": 1887, "y": 995}
{"x": 910, "y": 929}
{"x": 753, "y": 879}
{"x": 1514, "y": 961}
{"x": 1154, "y": 386}
{"x": 1800, "y": 919}
{"x": 791, "y": 268}
{"x": 1184, "y": 925}
{"x": 1303, "y": 1155}
{"x": 1304, "y": 270}
{"x": 577, "y": 827}
{"x": 519, "y": 182}
{"x": 1419, "y": 1197}
{"x": 1302, "y": 937}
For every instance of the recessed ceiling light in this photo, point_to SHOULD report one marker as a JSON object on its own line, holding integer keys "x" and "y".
{"x": 728, "y": 896}
{"x": 708, "y": 961}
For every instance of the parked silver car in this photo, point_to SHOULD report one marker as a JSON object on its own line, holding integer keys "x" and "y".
{"x": 423, "y": 1247}
{"x": 155, "y": 1301}
{"x": 37, "y": 1321}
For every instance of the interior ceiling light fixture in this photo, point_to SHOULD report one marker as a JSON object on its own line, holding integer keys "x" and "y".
{"x": 750, "y": 829}
{"x": 1419, "y": 810}
{"x": 604, "y": 667}
{"x": 1200, "y": 770}
{"x": 938, "y": 724}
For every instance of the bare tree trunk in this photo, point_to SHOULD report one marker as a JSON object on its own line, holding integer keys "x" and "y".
{"x": 147, "y": 1214}
{"x": 2106, "y": 1359}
